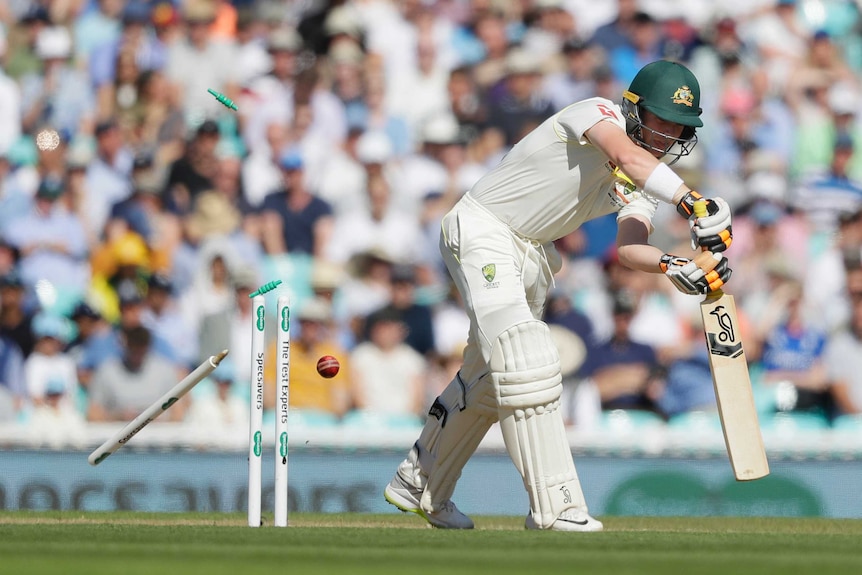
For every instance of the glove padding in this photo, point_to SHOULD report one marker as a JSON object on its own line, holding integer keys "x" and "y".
{"x": 712, "y": 232}
{"x": 704, "y": 274}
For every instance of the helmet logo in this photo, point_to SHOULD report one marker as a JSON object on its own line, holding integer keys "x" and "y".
{"x": 683, "y": 95}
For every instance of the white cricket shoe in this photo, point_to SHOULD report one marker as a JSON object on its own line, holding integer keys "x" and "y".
{"x": 569, "y": 520}
{"x": 406, "y": 498}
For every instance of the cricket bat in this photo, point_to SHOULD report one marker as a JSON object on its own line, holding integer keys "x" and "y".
{"x": 732, "y": 384}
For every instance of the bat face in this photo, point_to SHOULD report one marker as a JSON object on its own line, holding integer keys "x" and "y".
{"x": 732, "y": 384}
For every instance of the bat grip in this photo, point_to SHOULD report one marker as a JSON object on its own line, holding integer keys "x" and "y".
{"x": 700, "y": 211}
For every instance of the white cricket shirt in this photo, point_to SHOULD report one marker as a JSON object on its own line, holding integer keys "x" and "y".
{"x": 554, "y": 180}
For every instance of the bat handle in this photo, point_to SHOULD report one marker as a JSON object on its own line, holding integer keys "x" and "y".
{"x": 701, "y": 211}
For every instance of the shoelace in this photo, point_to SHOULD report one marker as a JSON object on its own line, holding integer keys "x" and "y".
{"x": 447, "y": 506}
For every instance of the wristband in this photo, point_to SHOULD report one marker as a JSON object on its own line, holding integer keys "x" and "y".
{"x": 662, "y": 183}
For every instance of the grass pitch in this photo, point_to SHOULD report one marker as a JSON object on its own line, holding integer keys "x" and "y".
{"x": 35, "y": 543}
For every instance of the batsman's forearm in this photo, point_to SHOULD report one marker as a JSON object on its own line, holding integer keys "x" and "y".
{"x": 643, "y": 257}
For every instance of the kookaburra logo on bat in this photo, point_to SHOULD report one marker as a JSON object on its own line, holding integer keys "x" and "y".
{"x": 722, "y": 343}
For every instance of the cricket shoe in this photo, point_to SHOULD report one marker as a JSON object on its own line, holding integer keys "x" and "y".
{"x": 406, "y": 498}
{"x": 569, "y": 520}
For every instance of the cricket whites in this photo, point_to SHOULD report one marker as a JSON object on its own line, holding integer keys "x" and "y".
{"x": 732, "y": 383}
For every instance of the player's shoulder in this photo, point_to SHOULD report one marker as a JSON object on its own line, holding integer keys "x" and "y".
{"x": 582, "y": 115}
{"x": 592, "y": 107}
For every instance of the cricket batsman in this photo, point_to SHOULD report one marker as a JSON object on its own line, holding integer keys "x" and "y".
{"x": 590, "y": 159}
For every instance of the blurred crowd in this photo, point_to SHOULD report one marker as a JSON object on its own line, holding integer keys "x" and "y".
{"x": 127, "y": 252}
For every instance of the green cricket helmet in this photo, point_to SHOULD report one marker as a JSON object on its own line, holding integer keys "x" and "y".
{"x": 670, "y": 91}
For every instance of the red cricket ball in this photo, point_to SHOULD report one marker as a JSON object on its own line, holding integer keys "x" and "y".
{"x": 328, "y": 366}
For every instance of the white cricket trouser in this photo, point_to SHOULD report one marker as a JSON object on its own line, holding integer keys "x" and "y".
{"x": 503, "y": 280}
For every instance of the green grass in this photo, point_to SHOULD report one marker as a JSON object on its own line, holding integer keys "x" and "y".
{"x": 34, "y": 543}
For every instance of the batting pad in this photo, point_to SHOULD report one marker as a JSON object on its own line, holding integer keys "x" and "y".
{"x": 458, "y": 420}
{"x": 525, "y": 369}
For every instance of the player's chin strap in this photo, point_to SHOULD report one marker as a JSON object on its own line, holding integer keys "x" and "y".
{"x": 525, "y": 367}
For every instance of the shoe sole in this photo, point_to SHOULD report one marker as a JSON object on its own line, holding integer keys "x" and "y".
{"x": 529, "y": 524}
{"x": 405, "y": 508}
{"x": 409, "y": 509}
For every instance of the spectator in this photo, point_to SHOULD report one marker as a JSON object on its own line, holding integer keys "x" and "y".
{"x": 55, "y": 422}
{"x": 421, "y": 93}
{"x": 13, "y": 386}
{"x": 141, "y": 211}
{"x": 160, "y": 124}
{"x": 124, "y": 259}
{"x": 252, "y": 58}
{"x": 343, "y": 183}
{"x": 771, "y": 244}
{"x": 227, "y": 328}
{"x": 836, "y": 114}
{"x": 622, "y": 370}
{"x": 417, "y": 317}
{"x": 792, "y": 357}
{"x": 826, "y": 277}
{"x": 198, "y": 61}
{"x": 22, "y": 59}
{"x": 467, "y": 104}
{"x": 261, "y": 173}
{"x": 843, "y": 354}
{"x": 308, "y": 390}
{"x": 16, "y": 319}
{"x": 687, "y": 384}
{"x": 645, "y": 44}
{"x": 560, "y": 311}
{"x": 136, "y": 39}
{"x": 131, "y": 304}
{"x": 824, "y": 64}
{"x": 98, "y": 26}
{"x": 93, "y": 342}
{"x": 122, "y": 387}
{"x": 294, "y": 219}
{"x": 378, "y": 114}
{"x": 211, "y": 290}
{"x": 575, "y": 81}
{"x": 51, "y": 241}
{"x": 107, "y": 175}
{"x": 381, "y": 224}
{"x": 422, "y": 174}
{"x": 59, "y": 95}
{"x": 823, "y": 197}
{"x": 270, "y": 96}
{"x": 520, "y": 106}
{"x": 617, "y": 33}
{"x": 10, "y": 113}
{"x": 721, "y": 56}
{"x": 449, "y": 150}
{"x": 489, "y": 28}
{"x": 549, "y": 25}
{"x": 49, "y": 367}
{"x": 162, "y": 316}
{"x": 781, "y": 39}
{"x": 194, "y": 172}
{"x": 389, "y": 374}
{"x": 218, "y": 414}
{"x": 367, "y": 288}
{"x": 14, "y": 200}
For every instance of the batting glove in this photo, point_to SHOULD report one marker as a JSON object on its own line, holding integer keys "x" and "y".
{"x": 712, "y": 232}
{"x": 704, "y": 274}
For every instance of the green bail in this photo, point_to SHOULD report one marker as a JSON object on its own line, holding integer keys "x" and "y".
{"x": 224, "y": 100}
{"x": 265, "y": 288}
